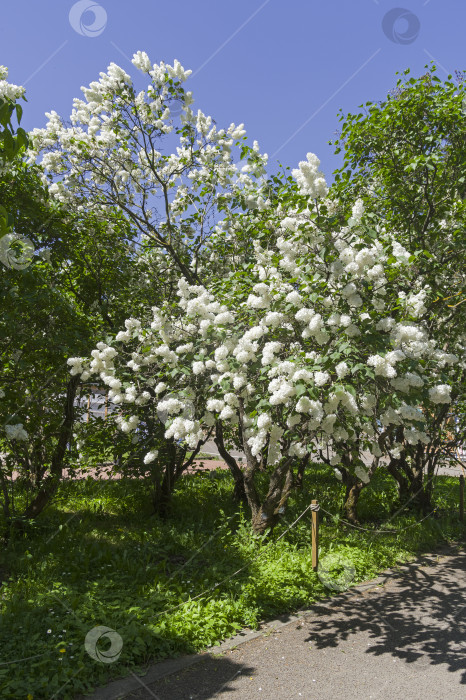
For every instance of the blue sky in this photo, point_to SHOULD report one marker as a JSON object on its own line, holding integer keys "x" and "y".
{"x": 282, "y": 68}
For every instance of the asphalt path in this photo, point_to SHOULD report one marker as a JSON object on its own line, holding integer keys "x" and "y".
{"x": 399, "y": 637}
{"x": 214, "y": 461}
{"x": 210, "y": 448}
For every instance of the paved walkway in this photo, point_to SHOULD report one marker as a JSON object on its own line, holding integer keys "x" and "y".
{"x": 400, "y": 637}
{"x": 453, "y": 469}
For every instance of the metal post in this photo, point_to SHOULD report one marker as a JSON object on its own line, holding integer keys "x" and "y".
{"x": 315, "y": 535}
{"x": 462, "y": 498}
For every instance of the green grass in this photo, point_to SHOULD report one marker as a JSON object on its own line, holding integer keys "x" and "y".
{"x": 97, "y": 557}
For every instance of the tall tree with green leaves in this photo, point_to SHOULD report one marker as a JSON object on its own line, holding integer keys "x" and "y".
{"x": 405, "y": 157}
{"x": 12, "y": 141}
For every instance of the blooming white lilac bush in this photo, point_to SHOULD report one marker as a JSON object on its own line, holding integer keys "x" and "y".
{"x": 315, "y": 344}
{"x": 320, "y": 338}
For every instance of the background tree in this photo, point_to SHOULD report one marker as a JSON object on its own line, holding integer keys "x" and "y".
{"x": 406, "y": 158}
{"x": 12, "y": 140}
{"x": 82, "y": 281}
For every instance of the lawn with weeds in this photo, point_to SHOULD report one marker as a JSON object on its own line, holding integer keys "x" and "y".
{"x": 99, "y": 557}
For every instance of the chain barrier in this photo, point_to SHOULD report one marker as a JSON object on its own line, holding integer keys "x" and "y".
{"x": 368, "y": 529}
{"x": 235, "y": 573}
{"x": 312, "y": 507}
{"x": 212, "y": 537}
{"x": 365, "y": 529}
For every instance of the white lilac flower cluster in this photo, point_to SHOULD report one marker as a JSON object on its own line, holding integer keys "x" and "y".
{"x": 440, "y": 393}
{"x": 309, "y": 178}
{"x": 357, "y": 211}
{"x": 8, "y": 90}
{"x": 151, "y": 456}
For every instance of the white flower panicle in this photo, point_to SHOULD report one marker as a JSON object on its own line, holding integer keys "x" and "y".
{"x": 151, "y": 456}
{"x": 9, "y": 91}
{"x": 440, "y": 393}
{"x": 309, "y": 178}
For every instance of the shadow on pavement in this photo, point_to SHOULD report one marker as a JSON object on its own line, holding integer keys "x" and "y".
{"x": 419, "y": 616}
{"x": 214, "y": 677}
{"x": 401, "y": 636}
